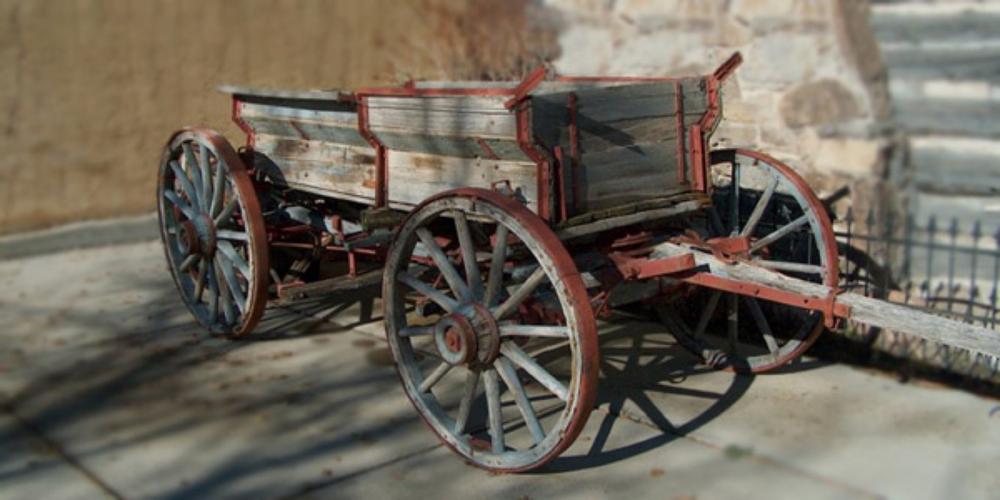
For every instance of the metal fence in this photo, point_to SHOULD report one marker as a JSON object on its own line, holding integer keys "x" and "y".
{"x": 946, "y": 267}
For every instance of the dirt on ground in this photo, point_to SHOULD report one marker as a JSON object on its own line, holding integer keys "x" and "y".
{"x": 91, "y": 89}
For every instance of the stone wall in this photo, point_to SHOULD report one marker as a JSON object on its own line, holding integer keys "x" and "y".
{"x": 812, "y": 89}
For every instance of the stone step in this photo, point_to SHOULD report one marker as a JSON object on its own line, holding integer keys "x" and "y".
{"x": 921, "y": 23}
{"x": 973, "y": 118}
{"x": 956, "y": 165}
{"x": 949, "y": 61}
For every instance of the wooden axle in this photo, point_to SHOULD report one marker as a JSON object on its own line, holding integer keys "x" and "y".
{"x": 712, "y": 272}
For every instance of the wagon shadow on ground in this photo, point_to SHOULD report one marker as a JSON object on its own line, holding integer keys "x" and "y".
{"x": 649, "y": 379}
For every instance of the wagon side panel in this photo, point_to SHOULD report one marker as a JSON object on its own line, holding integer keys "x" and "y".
{"x": 445, "y": 142}
{"x": 630, "y": 139}
{"x": 313, "y": 146}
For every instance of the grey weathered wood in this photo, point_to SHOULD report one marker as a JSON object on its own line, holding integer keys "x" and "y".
{"x": 463, "y": 116}
{"x": 460, "y": 146}
{"x": 866, "y": 310}
{"x": 623, "y": 175}
{"x": 413, "y": 177}
{"x": 629, "y": 219}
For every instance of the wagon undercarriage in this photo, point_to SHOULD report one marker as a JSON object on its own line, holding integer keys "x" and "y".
{"x": 501, "y": 220}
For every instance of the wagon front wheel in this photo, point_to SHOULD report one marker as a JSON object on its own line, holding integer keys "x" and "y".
{"x": 213, "y": 231}
{"x": 491, "y": 329}
{"x": 761, "y": 198}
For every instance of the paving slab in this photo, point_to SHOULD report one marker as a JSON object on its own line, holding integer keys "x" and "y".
{"x": 100, "y": 358}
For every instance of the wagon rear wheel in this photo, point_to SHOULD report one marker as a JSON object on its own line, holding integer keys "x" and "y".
{"x": 213, "y": 232}
{"x": 790, "y": 232}
{"x": 491, "y": 329}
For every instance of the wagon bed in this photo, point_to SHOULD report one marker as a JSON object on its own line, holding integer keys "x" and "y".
{"x": 501, "y": 219}
{"x": 573, "y": 150}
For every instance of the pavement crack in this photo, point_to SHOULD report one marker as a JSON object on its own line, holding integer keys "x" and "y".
{"x": 39, "y": 435}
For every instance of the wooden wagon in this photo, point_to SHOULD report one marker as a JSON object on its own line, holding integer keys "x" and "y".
{"x": 501, "y": 218}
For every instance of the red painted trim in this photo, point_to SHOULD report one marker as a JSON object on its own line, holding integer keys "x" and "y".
{"x": 426, "y": 92}
{"x": 523, "y": 89}
{"x": 560, "y": 171}
{"x": 531, "y": 149}
{"x": 381, "y": 166}
{"x": 679, "y": 109}
{"x": 241, "y": 123}
{"x": 699, "y": 162}
{"x": 826, "y": 305}
{"x": 574, "y": 151}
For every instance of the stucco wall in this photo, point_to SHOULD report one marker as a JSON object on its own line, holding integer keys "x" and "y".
{"x": 90, "y": 89}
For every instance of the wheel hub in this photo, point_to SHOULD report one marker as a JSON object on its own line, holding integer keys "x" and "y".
{"x": 470, "y": 337}
{"x": 197, "y": 236}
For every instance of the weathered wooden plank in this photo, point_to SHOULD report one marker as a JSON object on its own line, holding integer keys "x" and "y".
{"x": 451, "y": 116}
{"x": 308, "y": 131}
{"x": 866, "y": 310}
{"x": 595, "y": 137}
{"x": 413, "y": 177}
{"x": 318, "y": 95}
{"x": 322, "y": 168}
{"x": 463, "y": 147}
{"x": 345, "y": 117}
{"x": 298, "y": 149}
{"x": 624, "y": 175}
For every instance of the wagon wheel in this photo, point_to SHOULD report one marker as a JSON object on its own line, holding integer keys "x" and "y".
{"x": 790, "y": 232}
{"x": 505, "y": 372}
{"x": 213, "y": 231}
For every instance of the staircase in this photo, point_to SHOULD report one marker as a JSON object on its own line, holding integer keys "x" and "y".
{"x": 943, "y": 59}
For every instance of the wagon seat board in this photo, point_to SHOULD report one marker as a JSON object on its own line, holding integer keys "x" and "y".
{"x": 631, "y": 138}
{"x": 307, "y": 140}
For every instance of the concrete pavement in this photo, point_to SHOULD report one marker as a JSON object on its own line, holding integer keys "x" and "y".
{"x": 108, "y": 388}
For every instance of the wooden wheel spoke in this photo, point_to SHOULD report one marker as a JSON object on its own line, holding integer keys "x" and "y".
{"x": 758, "y": 209}
{"x": 218, "y": 188}
{"x": 493, "y": 407}
{"x": 190, "y": 164}
{"x": 444, "y": 265}
{"x": 234, "y": 258}
{"x": 188, "y": 261}
{"x": 176, "y": 200}
{"x": 439, "y": 298}
{"x": 416, "y": 331}
{"x": 213, "y": 299}
{"x": 526, "y": 289}
{"x": 189, "y": 191}
{"x": 473, "y": 279}
{"x": 762, "y": 324}
{"x": 227, "y": 212}
{"x": 225, "y": 298}
{"x": 733, "y": 321}
{"x": 779, "y": 233}
{"x": 560, "y": 332}
{"x": 199, "y": 281}
{"x": 496, "y": 266}
{"x": 509, "y": 376}
{"x": 435, "y": 376}
{"x": 232, "y": 284}
{"x": 206, "y": 176}
{"x": 229, "y": 234}
{"x": 465, "y": 405}
{"x": 528, "y": 364}
{"x": 706, "y": 314}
